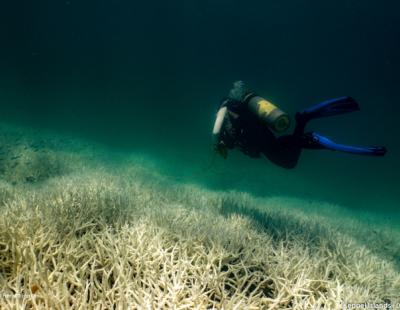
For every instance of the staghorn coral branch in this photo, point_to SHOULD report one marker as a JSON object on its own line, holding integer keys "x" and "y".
{"x": 89, "y": 236}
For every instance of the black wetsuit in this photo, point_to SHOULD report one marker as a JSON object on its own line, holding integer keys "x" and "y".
{"x": 243, "y": 129}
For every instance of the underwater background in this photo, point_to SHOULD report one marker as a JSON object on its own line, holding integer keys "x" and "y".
{"x": 148, "y": 76}
{"x": 111, "y": 196}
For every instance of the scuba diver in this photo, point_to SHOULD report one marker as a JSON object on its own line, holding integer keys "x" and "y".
{"x": 249, "y": 122}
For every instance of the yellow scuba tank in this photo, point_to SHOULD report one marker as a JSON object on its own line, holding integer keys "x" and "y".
{"x": 274, "y": 117}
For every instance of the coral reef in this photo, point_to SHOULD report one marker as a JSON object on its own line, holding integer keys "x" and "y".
{"x": 103, "y": 235}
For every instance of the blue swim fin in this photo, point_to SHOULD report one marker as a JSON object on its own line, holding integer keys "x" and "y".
{"x": 329, "y": 108}
{"x": 316, "y": 141}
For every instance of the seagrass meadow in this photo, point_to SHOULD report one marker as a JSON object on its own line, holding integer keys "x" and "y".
{"x": 82, "y": 230}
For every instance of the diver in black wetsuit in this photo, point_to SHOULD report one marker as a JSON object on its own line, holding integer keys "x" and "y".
{"x": 248, "y": 121}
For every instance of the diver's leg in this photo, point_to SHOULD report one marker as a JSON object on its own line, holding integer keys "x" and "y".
{"x": 313, "y": 140}
{"x": 329, "y": 108}
{"x": 283, "y": 151}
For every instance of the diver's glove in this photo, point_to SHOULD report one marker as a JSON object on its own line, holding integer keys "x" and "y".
{"x": 221, "y": 149}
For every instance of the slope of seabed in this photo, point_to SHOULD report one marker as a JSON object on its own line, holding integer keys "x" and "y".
{"x": 81, "y": 231}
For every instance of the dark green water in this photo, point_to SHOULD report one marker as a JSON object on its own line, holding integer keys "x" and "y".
{"x": 148, "y": 77}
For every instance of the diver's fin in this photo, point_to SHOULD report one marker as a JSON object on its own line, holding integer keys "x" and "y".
{"x": 313, "y": 140}
{"x": 330, "y": 107}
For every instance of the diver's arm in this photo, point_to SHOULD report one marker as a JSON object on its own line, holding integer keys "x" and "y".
{"x": 219, "y": 121}
{"x": 218, "y": 143}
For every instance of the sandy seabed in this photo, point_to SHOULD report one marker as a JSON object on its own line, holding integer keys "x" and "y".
{"x": 81, "y": 231}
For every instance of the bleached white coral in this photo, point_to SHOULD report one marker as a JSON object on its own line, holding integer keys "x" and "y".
{"x": 106, "y": 238}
